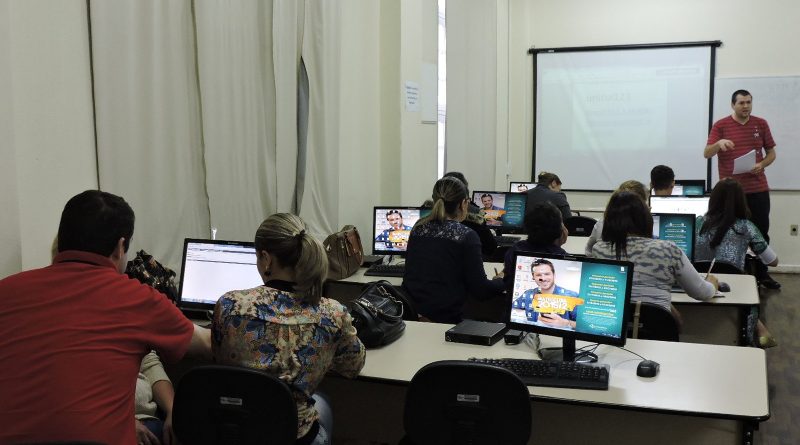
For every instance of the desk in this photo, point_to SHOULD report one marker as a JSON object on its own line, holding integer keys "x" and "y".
{"x": 703, "y": 394}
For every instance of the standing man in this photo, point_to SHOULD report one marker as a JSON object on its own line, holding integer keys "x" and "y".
{"x": 734, "y": 136}
{"x": 73, "y": 334}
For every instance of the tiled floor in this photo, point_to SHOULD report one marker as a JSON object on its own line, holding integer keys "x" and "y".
{"x": 780, "y": 311}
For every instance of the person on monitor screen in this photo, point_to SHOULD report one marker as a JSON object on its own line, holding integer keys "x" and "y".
{"x": 488, "y": 202}
{"x": 734, "y": 136}
{"x": 725, "y": 233}
{"x": 544, "y": 274}
{"x": 662, "y": 180}
{"x": 632, "y": 186}
{"x": 443, "y": 262}
{"x": 396, "y": 236}
{"x": 522, "y": 188}
{"x": 546, "y": 234}
{"x": 548, "y": 189}
{"x": 658, "y": 264}
{"x": 71, "y": 357}
{"x": 286, "y": 328}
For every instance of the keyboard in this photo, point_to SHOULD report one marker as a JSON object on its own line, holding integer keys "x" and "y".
{"x": 386, "y": 270}
{"x": 506, "y": 240}
{"x": 553, "y": 373}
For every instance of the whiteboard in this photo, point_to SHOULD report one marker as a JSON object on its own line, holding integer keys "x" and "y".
{"x": 776, "y": 99}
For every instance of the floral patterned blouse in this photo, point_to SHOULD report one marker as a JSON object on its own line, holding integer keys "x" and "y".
{"x": 270, "y": 328}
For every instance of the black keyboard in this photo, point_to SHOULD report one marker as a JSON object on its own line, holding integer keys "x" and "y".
{"x": 506, "y": 240}
{"x": 555, "y": 374}
{"x": 386, "y": 270}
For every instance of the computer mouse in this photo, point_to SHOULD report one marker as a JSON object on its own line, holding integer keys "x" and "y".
{"x": 647, "y": 368}
{"x": 724, "y": 287}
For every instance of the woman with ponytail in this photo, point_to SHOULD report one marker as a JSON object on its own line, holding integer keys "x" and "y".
{"x": 285, "y": 327}
{"x": 443, "y": 261}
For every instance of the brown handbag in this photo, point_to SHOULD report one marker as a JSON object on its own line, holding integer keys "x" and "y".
{"x": 345, "y": 253}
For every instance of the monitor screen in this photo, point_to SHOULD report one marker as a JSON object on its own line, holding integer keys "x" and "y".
{"x": 678, "y": 228}
{"x": 576, "y": 298}
{"x": 503, "y": 211}
{"x": 694, "y": 205}
{"x": 520, "y": 187}
{"x": 689, "y": 187}
{"x": 392, "y": 226}
{"x": 211, "y": 268}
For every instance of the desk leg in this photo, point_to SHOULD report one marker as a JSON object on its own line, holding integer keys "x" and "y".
{"x": 748, "y": 433}
{"x": 747, "y": 331}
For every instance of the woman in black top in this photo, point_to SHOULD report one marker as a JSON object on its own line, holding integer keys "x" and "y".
{"x": 443, "y": 260}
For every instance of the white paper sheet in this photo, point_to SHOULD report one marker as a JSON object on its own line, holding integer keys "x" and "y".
{"x": 744, "y": 163}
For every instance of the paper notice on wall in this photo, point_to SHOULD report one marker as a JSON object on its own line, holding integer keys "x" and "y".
{"x": 412, "y": 96}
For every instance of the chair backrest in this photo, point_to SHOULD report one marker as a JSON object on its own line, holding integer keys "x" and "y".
{"x": 580, "y": 225}
{"x": 719, "y": 267}
{"x": 231, "y": 405}
{"x": 652, "y": 322}
{"x": 457, "y": 402}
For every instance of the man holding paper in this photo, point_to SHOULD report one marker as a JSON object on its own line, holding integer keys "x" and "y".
{"x": 737, "y": 141}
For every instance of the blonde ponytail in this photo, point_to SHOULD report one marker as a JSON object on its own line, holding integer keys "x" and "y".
{"x": 448, "y": 193}
{"x": 284, "y": 236}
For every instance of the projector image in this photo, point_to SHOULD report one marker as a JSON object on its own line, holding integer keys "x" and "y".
{"x": 476, "y": 332}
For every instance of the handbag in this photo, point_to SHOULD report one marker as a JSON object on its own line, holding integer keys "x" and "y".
{"x": 378, "y": 314}
{"x": 344, "y": 251}
{"x": 148, "y": 271}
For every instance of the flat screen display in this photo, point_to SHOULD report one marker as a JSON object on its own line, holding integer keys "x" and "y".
{"x": 391, "y": 229}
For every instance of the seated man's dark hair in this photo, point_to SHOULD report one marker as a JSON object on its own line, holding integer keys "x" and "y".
{"x": 661, "y": 177}
{"x": 459, "y": 176}
{"x": 94, "y": 221}
{"x": 547, "y": 178}
{"x": 543, "y": 223}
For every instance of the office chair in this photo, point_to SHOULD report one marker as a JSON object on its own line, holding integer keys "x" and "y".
{"x": 459, "y": 402}
{"x": 719, "y": 267}
{"x": 580, "y": 225}
{"x": 226, "y": 405}
{"x": 652, "y": 322}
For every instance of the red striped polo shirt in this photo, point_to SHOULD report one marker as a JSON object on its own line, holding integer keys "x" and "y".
{"x": 752, "y": 135}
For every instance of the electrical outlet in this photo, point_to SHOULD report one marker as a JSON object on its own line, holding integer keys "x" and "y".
{"x": 793, "y": 230}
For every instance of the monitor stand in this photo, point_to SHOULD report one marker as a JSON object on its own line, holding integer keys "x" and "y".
{"x": 566, "y": 353}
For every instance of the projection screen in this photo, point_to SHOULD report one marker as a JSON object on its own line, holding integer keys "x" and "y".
{"x": 604, "y": 115}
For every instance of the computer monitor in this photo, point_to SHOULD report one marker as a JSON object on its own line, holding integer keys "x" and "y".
{"x": 689, "y": 187}
{"x": 572, "y": 297}
{"x": 392, "y": 227}
{"x": 504, "y": 211}
{"x": 678, "y": 228}
{"x": 520, "y": 187}
{"x": 211, "y": 268}
{"x": 695, "y": 205}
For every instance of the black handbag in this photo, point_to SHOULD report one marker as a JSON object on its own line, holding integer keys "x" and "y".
{"x": 378, "y": 314}
{"x": 148, "y": 271}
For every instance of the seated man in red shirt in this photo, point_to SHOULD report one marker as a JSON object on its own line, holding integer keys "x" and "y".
{"x": 73, "y": 334}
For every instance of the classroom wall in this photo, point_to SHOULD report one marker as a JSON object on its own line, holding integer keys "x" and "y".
{"x": 756, "y": 41}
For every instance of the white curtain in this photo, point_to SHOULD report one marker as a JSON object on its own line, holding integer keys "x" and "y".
{"x": 197, "y": 115}
{"x": 472, "y": 91}
{"x": 148, "y": 120}
{"x": 321, "y": 54}
{"x": 237, "y": 90}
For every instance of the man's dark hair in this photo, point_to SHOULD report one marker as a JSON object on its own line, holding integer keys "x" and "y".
{"x": 739, "y": 93}
{"x": 94, "y": 221}
{"x": 661, "y": 177}
{"x": 542, "y": 261}
{"x": 626, "y": 215}
{"x": 392, "y": 212}
{"x": 459, "y": 176}
{"x": 547, "y": 178}
{"x": 543, "y": 223}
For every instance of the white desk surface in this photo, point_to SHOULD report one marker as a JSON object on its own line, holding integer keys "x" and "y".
{"x": 694, "y": 379}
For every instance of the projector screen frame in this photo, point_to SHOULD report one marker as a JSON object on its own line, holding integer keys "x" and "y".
{"x": 712, "y": 44}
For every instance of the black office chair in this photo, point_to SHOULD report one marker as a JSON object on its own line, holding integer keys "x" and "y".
{"x": 580, "y": 225}
{"x": 652, "y": 322}
{"x": 226, "y": 405}
{"x": 719, "y": 267}
{"x": 459, "y": 402}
